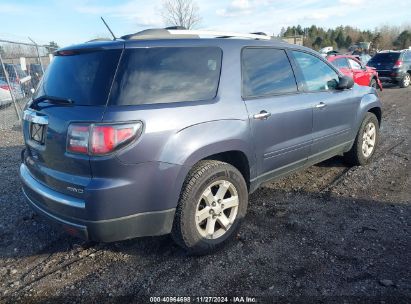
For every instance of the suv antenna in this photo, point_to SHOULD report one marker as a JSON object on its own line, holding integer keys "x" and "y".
{"x": 111, "y": 32}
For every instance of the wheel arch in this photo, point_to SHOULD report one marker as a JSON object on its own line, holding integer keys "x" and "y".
{"x": 369, "y": 103}
{"x": 377, "y": 112}
{"x": 224, "y": 140}
{"x": 237, "y": 159}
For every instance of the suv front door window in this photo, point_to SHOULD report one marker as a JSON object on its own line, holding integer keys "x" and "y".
{"x": 318, "y": 75}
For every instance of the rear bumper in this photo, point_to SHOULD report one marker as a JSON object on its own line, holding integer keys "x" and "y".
{"x": 390, "y": 79}
{"x": 392, "y": 76}
{"x": 55, "y": 206}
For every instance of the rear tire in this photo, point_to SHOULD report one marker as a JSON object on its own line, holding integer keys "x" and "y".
{"x": 405, "y": 81}
{"x": 213, "y": 201}
{"x": 365, "y": 142}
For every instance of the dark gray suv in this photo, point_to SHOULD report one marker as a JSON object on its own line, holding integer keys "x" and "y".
{"x": 393, "y": 67}
{"x": 166, "y": 132}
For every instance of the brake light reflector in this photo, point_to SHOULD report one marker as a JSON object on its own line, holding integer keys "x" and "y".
{"x": 398, "y": 64}
{"x": 78, "y": 136}
{"x": 101, "y": 139}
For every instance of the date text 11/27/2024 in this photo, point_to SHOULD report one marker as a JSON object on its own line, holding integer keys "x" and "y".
{"x": 236, "y": 299}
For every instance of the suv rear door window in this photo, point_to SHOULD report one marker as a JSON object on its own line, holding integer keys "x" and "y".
{"x": 266, "y": 71}
{"x": 84, "y": 77}
{"x": 318, "y": 75}
{"x": 167, "y": 74}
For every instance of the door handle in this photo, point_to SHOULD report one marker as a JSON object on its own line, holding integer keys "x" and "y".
{"x": 320, "y": 105}
{"x": 262, "y": 115}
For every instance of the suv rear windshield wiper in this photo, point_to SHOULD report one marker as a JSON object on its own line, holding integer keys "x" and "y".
{"x": 52, "y": 99}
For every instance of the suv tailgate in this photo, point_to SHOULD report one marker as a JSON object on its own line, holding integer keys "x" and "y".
{"x": 84, "y": 76}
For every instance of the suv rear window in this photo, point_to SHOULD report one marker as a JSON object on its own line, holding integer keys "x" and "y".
{"x": 85, "y": 78}
{"x": 385, "y": 58}
{"x": 167, "y": 74}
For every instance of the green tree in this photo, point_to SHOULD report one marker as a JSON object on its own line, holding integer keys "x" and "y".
{"x": 317, "y": 42}
{"x": 339, "y": 39}
{"x": 376, "y": 40}
{"x": 360, "y": 38}
{"x": 52, "y": 46}
{"x": 348, "y": 41}
{"x": 403, "y": 40}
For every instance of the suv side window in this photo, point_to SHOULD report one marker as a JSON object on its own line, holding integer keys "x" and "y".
{"x": 318, "y": 75}
{"x": 167, "y": 74}
{"x": 407, "y": 56}
{"x": 341, "y": 63}
{"x": 266, "y": 71}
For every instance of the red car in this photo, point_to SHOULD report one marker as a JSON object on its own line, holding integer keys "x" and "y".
{"x": 351, "y": 66}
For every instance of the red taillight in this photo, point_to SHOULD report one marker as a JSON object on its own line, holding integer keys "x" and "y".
{"x": 5, "y": 87}
{"x": 100, "y": 139}
{"x": 398, "y": 64}
{"x": 66, "y": 53}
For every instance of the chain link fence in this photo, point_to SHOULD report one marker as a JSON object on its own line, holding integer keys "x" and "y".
{"x": 22, "y": 66}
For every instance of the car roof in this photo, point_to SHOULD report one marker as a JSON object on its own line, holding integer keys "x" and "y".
{"x": 184, "y": 41}
{"x": 332, "y": 58}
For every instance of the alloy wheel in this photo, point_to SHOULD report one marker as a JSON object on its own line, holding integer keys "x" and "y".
{"x": 368, "y": 139}
{"x": 217, "y": 209}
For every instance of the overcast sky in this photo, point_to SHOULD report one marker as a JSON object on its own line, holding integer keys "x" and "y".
{"x": 74, "y": 21}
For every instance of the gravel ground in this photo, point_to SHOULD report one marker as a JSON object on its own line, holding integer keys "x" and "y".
{"x": 329, "y": 233}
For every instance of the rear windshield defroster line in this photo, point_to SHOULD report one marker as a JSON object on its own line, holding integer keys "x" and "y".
{"x": 83, "y": 77}
{"x": 166, "y": 75}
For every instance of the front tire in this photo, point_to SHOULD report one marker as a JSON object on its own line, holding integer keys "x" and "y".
{"x": 212, "y": 203}
{"x": 406, "y": 80}
{"x": 365, "y": 142}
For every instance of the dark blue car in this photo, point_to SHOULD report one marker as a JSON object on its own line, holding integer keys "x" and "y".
{"x": 166, "y": 132}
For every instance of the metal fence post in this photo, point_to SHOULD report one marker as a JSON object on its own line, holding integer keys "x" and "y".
{"x": 38, "y": 54}
{"x": 11, "y": 88}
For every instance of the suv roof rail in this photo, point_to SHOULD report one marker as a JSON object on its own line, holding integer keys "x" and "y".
{"x": 180, "y": 32}
{"x": 157, "y": 34}
{"x": 99, "y": 39}
{"x": 175, "y": 27}
{"x": 389, "y": 51}
{"x": 220, "y": 34}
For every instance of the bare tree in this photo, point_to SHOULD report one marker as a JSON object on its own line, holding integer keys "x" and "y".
{"x": 180, "y": 13}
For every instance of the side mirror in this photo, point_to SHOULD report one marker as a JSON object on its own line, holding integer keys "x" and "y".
{"x": 345, "y": 83}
